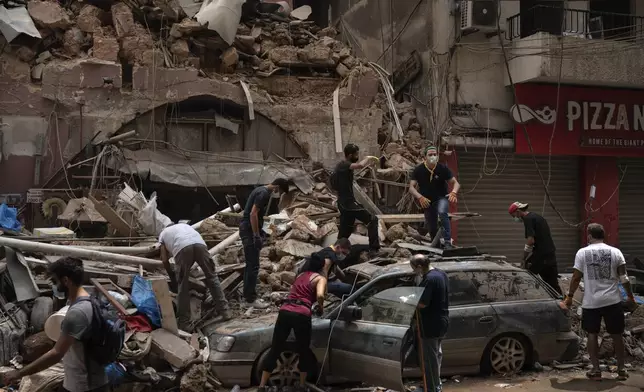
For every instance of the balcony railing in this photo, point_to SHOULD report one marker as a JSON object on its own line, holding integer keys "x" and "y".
{"x": 560, "y": 21}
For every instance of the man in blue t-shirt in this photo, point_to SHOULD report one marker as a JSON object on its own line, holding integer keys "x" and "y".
{"x": 432, "y": 179}
{"x": 252, "y": 235}
{"x": 432, "y": 319}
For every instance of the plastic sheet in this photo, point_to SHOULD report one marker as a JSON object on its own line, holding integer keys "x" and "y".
{"x": 9, "y": 218}
{"x": 152, "y": 221}
{"x": 145, "y": 301}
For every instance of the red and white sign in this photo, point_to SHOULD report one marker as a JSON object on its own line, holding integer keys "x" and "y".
{"x": 587, "y": 121}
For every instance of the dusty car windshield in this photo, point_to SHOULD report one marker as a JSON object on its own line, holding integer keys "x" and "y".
{"x": 394, "y": 305}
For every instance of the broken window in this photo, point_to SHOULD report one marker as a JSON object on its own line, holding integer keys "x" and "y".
{"x": 462, "y": 290}
{"x": 392, "y": 306}
{"x": 503, "y": 286}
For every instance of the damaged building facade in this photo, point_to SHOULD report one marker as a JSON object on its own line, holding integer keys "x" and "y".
{"x": 577, "y": 67}
{"x": 98, "y": 72}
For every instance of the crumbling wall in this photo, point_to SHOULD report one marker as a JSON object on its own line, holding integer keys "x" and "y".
{"x": 371, "y": 26}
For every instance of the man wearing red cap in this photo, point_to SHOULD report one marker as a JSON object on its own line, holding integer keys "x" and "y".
{"x": 433, "y": 179}
{"x": 539, "y": 251}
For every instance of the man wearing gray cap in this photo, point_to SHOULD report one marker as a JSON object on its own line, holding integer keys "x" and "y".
{"x": 431, "y": 320}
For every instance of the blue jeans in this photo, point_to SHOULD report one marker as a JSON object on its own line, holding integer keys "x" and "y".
{"x": 432, "y": 357}
{"x": 439, "y": 208}
{"x": 251, "y": 255}
{"x": 339, "y": 288}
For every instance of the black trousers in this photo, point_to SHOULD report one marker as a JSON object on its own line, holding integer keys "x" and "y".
{"x": 301, "y": 326}
{"x": 348, "y": 218}
{"x": 546, "y": 268}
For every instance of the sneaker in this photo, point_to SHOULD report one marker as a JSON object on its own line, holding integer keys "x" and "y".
{"x": 595, "y": 375}
{"x": 622, "y": 375}
{"x": 258, "y": 304}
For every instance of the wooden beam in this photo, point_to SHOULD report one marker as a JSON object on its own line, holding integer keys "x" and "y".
{"x": 417, "y": 218}
{"x": 164, "y": 298}
{"x": 362, "y": 198}
{"x": 113, "y": 218}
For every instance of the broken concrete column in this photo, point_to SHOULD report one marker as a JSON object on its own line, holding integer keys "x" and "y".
{"x": 48, "y": 14}
{"x": 176, "y": 351}
{"x": 122, "y": 20}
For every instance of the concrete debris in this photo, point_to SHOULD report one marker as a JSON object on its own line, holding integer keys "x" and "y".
{"x": 48, "y": 14}
{"x": 176, "y": 351}
{"x": 90, "y": 18}
{"x": 122, "y": 20}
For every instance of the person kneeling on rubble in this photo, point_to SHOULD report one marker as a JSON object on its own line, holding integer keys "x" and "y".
{"x": 252, "y": 235}
{"x": 81, "y": 374}
{"x": 187, "y": 247}
{"x": 331, "y": 256}
{"x": 295, "y": 314}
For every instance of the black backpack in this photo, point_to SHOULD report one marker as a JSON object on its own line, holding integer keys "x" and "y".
{"x": 107, "y": 336}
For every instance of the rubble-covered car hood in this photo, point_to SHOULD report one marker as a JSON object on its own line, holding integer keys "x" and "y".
{"x": 239, "y": 325}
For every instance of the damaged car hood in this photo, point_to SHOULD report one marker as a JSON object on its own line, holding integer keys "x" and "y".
{"x": 240, "y": 325}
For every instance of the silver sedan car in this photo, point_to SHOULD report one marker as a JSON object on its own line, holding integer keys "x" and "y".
{"x": 502, "y": 319}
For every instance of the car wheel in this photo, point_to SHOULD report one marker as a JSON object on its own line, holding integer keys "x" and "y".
{"x": 286, "y": 372}
{"x": 506, "y": 354}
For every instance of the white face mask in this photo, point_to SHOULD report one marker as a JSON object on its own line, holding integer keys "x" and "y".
{"x": 432, "y": 160}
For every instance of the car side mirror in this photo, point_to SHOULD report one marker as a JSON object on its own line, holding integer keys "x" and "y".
{"x": 351, "y": 313}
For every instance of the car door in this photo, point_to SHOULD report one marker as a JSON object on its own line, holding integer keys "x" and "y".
{"x": 472, "y": 323}
{"x": 370, "y": 349}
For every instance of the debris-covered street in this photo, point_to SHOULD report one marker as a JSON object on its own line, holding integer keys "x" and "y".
{"x": 321, "y": 196}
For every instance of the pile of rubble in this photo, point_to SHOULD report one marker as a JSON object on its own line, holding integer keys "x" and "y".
{"x": 159, "y": 33}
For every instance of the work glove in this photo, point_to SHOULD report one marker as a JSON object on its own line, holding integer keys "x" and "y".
{"x": 424, "y": 202}
{"x": 257, "y": 241}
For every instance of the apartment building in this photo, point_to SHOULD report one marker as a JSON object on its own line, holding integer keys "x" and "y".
{"x": 541, "y": 101}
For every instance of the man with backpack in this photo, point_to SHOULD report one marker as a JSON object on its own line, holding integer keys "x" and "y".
{"x": 350, "y": 209}
{"x": 84, "y": 331}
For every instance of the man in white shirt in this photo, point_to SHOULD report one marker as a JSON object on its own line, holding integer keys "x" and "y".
{"x": 603, "y": 267}
{"x": 187, "y": 247}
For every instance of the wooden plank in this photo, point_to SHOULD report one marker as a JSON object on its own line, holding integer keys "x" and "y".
{"x": 417, "y": 218}
{"x": 164, "y": 298}
{"x": 367, "y": 203}
{"x": 116, "y": 304}
{"x": 121, "y": 226}
{"x": 316, "y": 202}
{"x": 230, "y": 281}
{"x": 337, "y": 127}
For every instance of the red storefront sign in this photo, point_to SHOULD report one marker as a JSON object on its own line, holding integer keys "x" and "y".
{"x": 587, "y": 121}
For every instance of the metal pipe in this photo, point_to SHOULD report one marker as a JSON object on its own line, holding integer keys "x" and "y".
{"x": 120, "y": 137}
{"x": 64, "y": 250}
{"x": 197, "y": 225}
{"x": 220, "y": 247}
{"x": 468, "y": 141}
{"x": 124, "y": 250}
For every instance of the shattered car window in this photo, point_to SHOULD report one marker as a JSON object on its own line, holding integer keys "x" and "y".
{"x": 501, "y": 286}
{"x": 391, "y": 306}
{"x": 462, "y": 290}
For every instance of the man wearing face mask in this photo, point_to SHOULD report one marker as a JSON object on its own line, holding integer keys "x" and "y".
{"x": 81, "y": 374}
{"x": 431, "y": 320}
{"x": 333, "y": 257}
{"x": 252, "y": 235}
{"x": 433, "y": 179}
{"x": 350, "y": 209}
{"x": 539, "y": 252}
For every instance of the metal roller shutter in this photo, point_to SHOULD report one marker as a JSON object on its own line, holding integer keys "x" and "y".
{"x": 516, "y": 178}
{"x": 631, "y": 213}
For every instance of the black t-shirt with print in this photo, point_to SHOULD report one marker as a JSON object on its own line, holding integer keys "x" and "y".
{"x": 432, "y": 183}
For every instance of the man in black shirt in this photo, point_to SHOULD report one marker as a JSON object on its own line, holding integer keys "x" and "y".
{"x": 432, "y": 319}
{"x": 350, "y": 209}
{"x": 539, "y": 251}
{"x": 252, "y": 235}
{"x": 432, "y": 179}
{"x": 333, "y": 256}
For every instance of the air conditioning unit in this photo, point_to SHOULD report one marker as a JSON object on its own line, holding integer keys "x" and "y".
{"x": 479, "y": 15}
